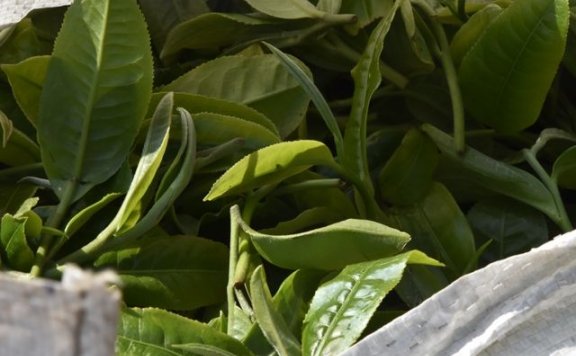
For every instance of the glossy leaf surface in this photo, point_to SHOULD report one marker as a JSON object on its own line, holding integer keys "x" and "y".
{"x": 506, "y": 75}
{"x": 157, "y": 332}
{"x": 14, "y": 248}
{"x": 342, "y": 307}
{"x": 271, "y": 165}
{"x": 286, "y": 9}
{"x": 106, "y": 86}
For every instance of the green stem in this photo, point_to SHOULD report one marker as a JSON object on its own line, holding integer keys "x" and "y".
{"x": 53, "y": 222}
{"x": 562, "y": 219}
{"x": 234, "y": 237}
{"x": 453, "y": 86}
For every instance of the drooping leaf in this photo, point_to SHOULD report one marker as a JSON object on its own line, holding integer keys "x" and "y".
{"x": 259, "y": 81}
{"x": 105, "y": 86}
{"x": 564, "y": 170}
{"x": 367, "y": 79}
{"x": 327, "y": 248}
{"x": 269, "y": 319}
{"x": 506, "y": 75}
{"x": 176, "y": 272}
{"x": 27, "y": 79}
{"x": 408, "y": 174}
{"x": 83, "y": 216}
{"x": 342, "y": 306}
{"x": 271, "y": 165}
{"x": 14, "y": 249}
{"x": 157, "y": 332}
{"x": 495, "y": 175}
{"x": 195, "y": 104}
{"x": 512, "y": 227}
{"x": 215, "y": 30}
{"x": 291, "y": 302}
{"x": 152, "y": 154}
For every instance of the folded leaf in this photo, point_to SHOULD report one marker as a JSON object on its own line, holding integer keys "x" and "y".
{"x": 327, "y": 248}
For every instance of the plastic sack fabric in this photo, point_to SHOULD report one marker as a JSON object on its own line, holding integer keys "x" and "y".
{"x": 522, "y": 305}
{"x": 12, "y": 11}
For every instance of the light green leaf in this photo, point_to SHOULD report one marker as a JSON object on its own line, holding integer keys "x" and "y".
{"x": 494, "y": 175}
{"x": 505, "y": 77}
{"x": 367, "y": 78}
{"x": 105, "y": 87}
{"x": 270, "y": 321}
{"x": 204, "y": 350}
{"x": 271, "y": 165}
{"x": 342, "y": 307}
{"x": 27, "y": 79}
{"x": 564, "y": 170}
{"x": 176, "y": 272}
{"x": 196, "y": 104}
{"x": 157, "y": 332}
{"x": 287, "y": 9}
{"x": 152, "y": 154}
{"x": 467, "y": 36}
{"x": 291, "y": 302}
{"x": 259, "y": 81}
{"x": 327, "y": 248}
{"x": 14, "y": 249}
{"x": 83, "y": 216}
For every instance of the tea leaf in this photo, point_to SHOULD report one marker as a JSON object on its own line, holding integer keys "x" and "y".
{"x": 342, "y": 307}
{"x": 14, "y": 249}
{"x": 286, "y": 9}
{"x": 328, "y": 248}
{"x": 564, "y": 170}
{"x": 95, "y": 94}
{"x": 507, "y": 74}
{"x": 270, "y": 165}
{"x": 158, "y": 332}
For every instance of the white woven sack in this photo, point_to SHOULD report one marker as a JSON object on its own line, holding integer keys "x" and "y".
{"x": 523, "y": 305}
{"x": 12, "y": 11}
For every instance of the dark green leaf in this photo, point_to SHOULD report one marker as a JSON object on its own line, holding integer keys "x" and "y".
{"x": 506, "y": 75}
{"x": 513, "y": 227}
{"x": 95, "y": 94}
{"x": 408, "y": 174}
{"x": 27, "y": 79}
{"x": 495, "y": 175}
{"x": 16, "y": 149}
{"x": 177, "y": 272}
{"x": 564, "y": 170}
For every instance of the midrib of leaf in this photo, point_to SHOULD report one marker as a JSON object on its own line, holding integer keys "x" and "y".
{"x": 140, "y": 342}
{"x": 347, "y": 302}
{"x": 521, "y": 53}
{"x": 435, "y": 240}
